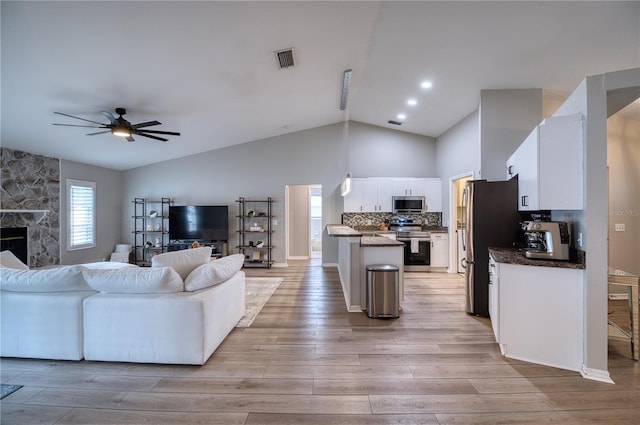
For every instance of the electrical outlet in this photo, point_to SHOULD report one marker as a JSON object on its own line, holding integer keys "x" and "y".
{"x": 275, "y": 222}
{"x": 619, "y": 227}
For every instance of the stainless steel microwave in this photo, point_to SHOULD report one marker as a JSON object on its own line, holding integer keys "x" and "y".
{"x": 409, "y": 205}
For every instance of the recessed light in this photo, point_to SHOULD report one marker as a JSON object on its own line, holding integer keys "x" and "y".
{"x": 412, "y": 102}
{"x": 402, "y": 117}
{"x": 426, "y": 84}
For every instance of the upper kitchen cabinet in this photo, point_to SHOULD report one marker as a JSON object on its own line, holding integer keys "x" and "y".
{"x": 549, "y": 165}
{"x": 433, "y": 194}
{"x": 407, "y": 187}
{"x": 369, "y": 195}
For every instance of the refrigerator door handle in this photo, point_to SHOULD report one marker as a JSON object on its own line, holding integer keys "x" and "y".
{"x": 465, "y": 194}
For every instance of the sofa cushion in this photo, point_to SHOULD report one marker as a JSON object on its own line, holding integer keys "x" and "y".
{"x": 183, "y": 262}
{"x": 213, "y": 273}
{"x": 55, "y": 279}
{"x": 9, "y": 260}
{"x": 138, "y": 280}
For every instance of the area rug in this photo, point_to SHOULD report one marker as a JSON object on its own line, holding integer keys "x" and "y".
{"x": 6, "y": 389}
{"x": 258, "y": 291}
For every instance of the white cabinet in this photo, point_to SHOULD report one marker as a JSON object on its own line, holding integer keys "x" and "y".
{"x": 439, "y": 250}
{"x": 538, "y": 313}
{"x": 369, "y": 195}
{"x": 353, "y": 201}
{"x": 433, "y": 194}
{"x": 375, "y": 194}
{"x": 407, "y": 187}
{"x": 549, "y": 166}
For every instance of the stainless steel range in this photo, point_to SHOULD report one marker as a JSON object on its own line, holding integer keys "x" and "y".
{"x": 417, "y": 244}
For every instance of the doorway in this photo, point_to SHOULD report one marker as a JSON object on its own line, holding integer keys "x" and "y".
{"x": 316, "y": 220}
{"x": 303, "y": 205}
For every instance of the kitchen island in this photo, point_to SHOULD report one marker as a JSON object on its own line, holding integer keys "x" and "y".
{"x": 355, "y": 253}
{"x": 536, "y": 308}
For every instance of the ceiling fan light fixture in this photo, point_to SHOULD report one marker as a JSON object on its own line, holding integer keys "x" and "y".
{"x": 120, "y": 132}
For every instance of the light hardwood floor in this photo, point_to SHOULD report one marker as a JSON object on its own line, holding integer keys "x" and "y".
{"x": 305, "y": 360}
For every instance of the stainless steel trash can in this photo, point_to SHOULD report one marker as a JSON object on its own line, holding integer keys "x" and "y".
{"x": 383, "y": 291}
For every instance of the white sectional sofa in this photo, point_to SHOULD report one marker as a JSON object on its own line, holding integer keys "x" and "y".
{"x": 41, "y": 312}
{"x": 178, "y": 311}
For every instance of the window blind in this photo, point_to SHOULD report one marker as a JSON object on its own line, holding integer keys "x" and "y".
{"x": 82, "y": 202}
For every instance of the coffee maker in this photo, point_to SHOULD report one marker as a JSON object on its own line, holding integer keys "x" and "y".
{"x": 547, "y": 240}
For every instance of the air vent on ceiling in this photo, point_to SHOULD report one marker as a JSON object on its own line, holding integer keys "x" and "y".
{"x": 285, "y": 58}
{"x": 395, "y": 122}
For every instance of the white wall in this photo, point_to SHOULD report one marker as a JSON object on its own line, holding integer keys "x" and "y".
{"x": 381, "y": 152}
{"x": 623, "y": 160}
{"x": 109, "y": 205}
{"x": 458, "y": 152}
{"x": 506, "y": 119}
{"x": 265, "y": 167}
{"x": 590, "y": 99}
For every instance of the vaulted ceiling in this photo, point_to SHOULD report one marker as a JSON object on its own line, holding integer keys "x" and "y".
{"x": 208, "y": 68}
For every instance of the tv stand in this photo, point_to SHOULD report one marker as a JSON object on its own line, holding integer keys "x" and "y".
{"x": 218, "y": 248}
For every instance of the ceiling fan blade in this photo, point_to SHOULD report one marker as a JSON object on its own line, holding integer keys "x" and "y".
{"x": 170, "y": 133}
{"x": 152, "y": 137}
{"x": 99, "y": 132}
{"x": 78, "y": 118}
{"x": 130, "y": 139}
{"x": 146, "y": 124}
{"x": 110, "y": 117}
{"x": 85, "y": 126}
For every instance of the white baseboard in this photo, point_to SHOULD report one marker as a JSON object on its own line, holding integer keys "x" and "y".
{"x": 299, "y": 257}
{"x": 330, "y": 265}
{"x": 280, "y": 265}
{"x": 596, "y": 375}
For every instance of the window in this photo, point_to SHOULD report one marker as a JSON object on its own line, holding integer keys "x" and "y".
{"x": 81, "y": 198}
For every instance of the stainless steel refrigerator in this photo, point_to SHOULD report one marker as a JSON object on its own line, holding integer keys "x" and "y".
{"x": 490, "y": 219}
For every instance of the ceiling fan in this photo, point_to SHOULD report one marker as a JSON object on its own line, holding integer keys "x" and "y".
{"x": 121, "y": 127}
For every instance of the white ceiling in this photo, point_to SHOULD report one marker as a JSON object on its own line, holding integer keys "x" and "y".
{"x": 208, "y": 69}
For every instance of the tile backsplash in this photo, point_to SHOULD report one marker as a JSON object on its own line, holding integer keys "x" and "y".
{"x": 374, "y": 219}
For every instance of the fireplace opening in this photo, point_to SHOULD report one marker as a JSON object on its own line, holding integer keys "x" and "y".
{"x": 14, "y": 239}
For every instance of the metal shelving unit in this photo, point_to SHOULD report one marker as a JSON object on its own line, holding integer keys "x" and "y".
{"x": 255, "y": 231}
{"x": 151, "y": 233}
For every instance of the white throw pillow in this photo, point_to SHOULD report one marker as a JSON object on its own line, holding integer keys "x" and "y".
{"x": 185, "y": 261}
{"x": 55, "y": 279}
{"x": 138, "y": 280}
{"x": 214, "y": 273}
{"x": 9, "y": 260}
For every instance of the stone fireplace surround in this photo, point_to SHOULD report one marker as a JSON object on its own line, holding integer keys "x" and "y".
{"x": 32, "y": 182}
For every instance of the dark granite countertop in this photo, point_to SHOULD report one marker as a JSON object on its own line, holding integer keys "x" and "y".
{"x": 379, "y": 241}
{"x": 340, "y": 230}
{"x": 376, "y": 229}
{"x": 513, "y": 256}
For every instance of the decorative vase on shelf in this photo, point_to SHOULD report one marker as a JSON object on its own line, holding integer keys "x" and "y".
{"x": 153, "y": 214}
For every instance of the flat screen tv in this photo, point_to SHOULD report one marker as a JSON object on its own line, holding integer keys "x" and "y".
{"x": 199, "y": 222}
